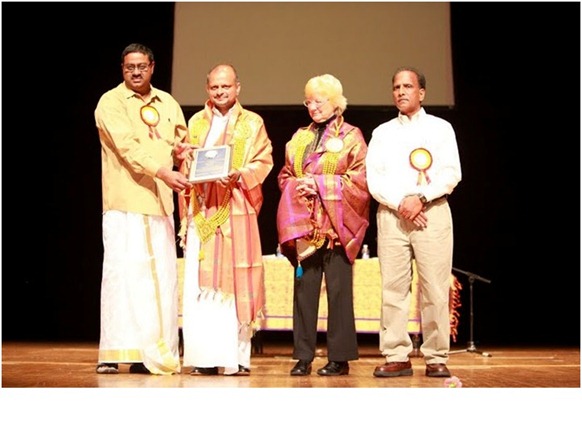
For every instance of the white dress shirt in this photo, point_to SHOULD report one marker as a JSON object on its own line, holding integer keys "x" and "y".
{"x": 390, "y": 174}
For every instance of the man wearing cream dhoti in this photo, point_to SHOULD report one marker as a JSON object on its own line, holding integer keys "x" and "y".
{"x": 139, "y": 129}
{"x": 224, "y": 288}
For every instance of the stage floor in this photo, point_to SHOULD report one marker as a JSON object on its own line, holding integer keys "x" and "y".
{"x": 52, "y": 388}
{"x": 65, "y": 365}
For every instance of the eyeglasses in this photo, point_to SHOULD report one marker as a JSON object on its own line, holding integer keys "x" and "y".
{"x": 140, "y": 67}
{"x": 317, "y": 103}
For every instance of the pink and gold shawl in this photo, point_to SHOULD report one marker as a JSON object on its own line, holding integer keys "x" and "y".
{"x": 340, "y": 210}
{"x": 231, "y": 256}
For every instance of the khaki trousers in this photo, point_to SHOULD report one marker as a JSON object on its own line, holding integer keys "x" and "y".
{"x": 399, "y": 242}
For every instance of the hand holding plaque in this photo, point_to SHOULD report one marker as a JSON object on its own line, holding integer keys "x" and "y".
{"x": 210, "y": 164}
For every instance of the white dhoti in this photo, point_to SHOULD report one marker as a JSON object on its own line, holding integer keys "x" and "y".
{"x": 139, "y": 292}
{"x": 210, "y": 328}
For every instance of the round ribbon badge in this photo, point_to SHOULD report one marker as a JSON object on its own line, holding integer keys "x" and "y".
{"x": 334, "y": 145}
{"x": 421, "y": 160}
{"x": 151, "y": 117}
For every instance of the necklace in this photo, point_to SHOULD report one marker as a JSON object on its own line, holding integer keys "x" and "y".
{"x": 206, "y": 227}
{"x": 330, "y": 156}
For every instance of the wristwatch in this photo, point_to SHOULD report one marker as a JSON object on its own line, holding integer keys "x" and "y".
{"x": 422, "y": 199}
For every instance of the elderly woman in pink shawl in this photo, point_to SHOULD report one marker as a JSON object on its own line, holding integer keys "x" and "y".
{"x": 321, "y": 221}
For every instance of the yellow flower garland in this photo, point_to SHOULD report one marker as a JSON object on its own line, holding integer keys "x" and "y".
{"x": 207, "y": 227}
{"x": 330, "y": 159}
{"x": 300, "y": 142}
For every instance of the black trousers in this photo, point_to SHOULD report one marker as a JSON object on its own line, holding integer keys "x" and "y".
{"x": 342, "y": 342}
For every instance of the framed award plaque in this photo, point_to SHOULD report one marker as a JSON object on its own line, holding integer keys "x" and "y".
{"x": 210, "y": 164}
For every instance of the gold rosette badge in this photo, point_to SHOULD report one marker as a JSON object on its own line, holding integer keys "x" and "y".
{"x": 151, "y": 117}
{"x": 421, "y": 160}
{"x": 334, "y": 145}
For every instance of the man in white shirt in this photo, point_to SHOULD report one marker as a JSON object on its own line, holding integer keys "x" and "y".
{"x": 412, "y": 166}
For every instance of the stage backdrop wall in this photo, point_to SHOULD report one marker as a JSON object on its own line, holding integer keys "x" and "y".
{"x": 277, "y": 46}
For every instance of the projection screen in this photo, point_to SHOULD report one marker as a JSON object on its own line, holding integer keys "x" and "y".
{"x": 277, "y": 46}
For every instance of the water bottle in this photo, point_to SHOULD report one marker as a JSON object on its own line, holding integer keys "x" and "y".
{"x": 365, "y": 252}
{"x": 278, "y": 252}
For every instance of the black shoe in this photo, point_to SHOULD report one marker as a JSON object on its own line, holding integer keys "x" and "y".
{"x": 335, "y": 369}
{"x": 107, "y": 368}
{"x": 202, "y": 371}
{"x": 242, "y": 371}
{"x": 138, "y": 369}
{"x": 301, "y": 368}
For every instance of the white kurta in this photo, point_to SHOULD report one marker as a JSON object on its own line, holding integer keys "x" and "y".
{"x": 139, "y": 292}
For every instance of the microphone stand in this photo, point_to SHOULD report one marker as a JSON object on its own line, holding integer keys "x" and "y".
{"x": 471, "y": 348}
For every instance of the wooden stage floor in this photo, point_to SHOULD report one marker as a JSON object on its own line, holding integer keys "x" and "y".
{"x": 516, "y": 392}
{"x": 64, "y": 365}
